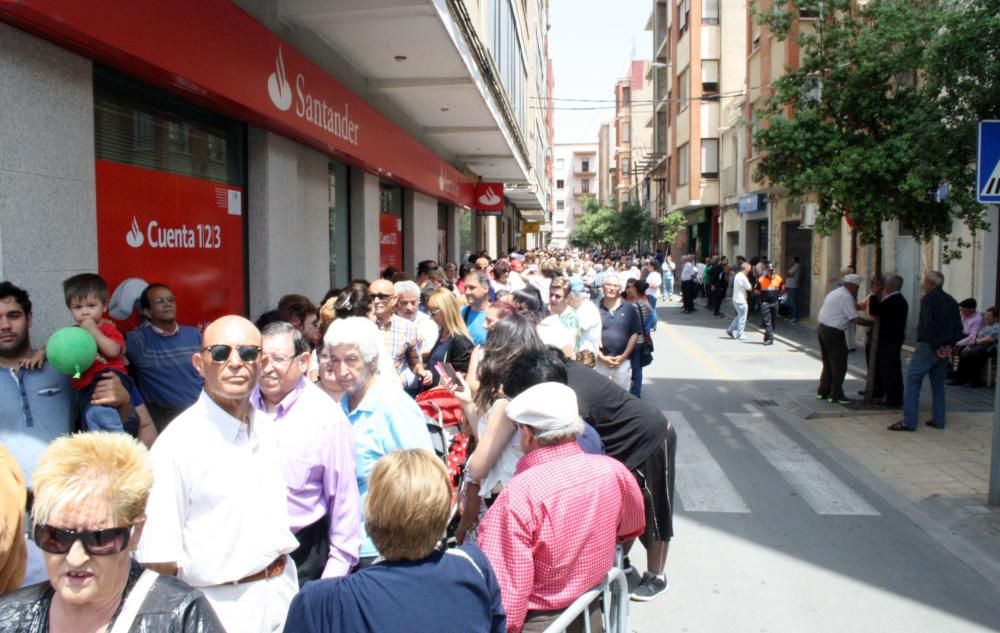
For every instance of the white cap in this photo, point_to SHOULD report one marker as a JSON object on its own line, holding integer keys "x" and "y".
{"x": 852, "y": 279}
{"x": 548, "y": 406}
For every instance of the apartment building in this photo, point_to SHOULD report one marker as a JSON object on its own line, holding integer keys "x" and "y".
{"x": 634, "y": 135}
{"x": 607, "y": 168}
{"x": 315, "y": 142}
{"x": 576, "y": 174}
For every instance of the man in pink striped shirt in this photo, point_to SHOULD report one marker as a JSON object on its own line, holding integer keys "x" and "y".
{"x": 552, "y": 532}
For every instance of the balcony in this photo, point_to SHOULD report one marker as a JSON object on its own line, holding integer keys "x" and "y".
{"x": 584, "y": 169}
{"x": 583, "y": 191}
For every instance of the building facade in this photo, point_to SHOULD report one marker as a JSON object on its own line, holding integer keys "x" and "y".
{"x": 576, "y": 174}
{"x": 241, "y": 151}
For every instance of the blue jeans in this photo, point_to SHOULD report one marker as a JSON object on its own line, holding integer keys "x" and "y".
{"x": 740, "y": 322}
{"x": 100, "y": 417}
{"x": 636, "y": 386}
{"x": 668, "y": 284}
{"x": 792, "y": 298}
{"x": 924, "y": 362}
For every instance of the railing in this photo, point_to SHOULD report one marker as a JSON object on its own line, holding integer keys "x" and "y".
{"x": 613, "y": 593}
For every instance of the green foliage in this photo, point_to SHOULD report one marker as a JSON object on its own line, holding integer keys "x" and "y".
{"x": 671, "y": 224}
{"x": 883, "y": 111}
{"x": 608, "y": 227}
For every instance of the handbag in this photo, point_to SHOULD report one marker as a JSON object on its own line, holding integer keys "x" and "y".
{"x": 126, "y": 617}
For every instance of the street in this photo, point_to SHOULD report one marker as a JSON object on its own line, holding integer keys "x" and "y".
{"x": 773, "y": 532}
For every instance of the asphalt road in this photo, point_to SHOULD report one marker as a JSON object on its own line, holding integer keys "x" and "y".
{"x": 772, "y": 533}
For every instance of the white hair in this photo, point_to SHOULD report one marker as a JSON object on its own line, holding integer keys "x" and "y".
{"x": 357, "y": 331}
{"x": 936, "y": 278}
{"x": 406, "y": 287}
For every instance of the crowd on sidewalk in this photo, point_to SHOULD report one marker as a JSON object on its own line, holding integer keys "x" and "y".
{"x": 188, "y": 479}
{"x": 953, "y": 340}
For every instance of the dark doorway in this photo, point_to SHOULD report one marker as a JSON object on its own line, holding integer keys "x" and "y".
{"x": 798, "y": 243}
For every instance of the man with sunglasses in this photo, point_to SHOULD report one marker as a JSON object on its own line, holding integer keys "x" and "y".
{"x": 317, "y": 456}
{"x": 217, "y": 515}
{"x": 401, "y": 338}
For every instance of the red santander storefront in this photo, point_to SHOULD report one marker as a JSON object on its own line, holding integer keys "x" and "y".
{"x": 176, "y": 85}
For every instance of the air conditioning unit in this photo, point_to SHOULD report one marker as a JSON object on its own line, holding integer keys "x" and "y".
{"x": 809, "y": 211}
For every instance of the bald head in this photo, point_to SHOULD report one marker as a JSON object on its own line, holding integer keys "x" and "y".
{"x": 229, "y": 362}
{"x": 383, "y": 298}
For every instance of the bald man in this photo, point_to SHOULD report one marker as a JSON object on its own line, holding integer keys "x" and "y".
{"x": 216, "y": 516}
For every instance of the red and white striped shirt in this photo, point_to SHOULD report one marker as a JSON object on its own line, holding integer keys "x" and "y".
{"x": 552, "y": 532}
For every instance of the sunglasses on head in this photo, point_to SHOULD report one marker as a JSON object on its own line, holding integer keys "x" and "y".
{"x": 221, "y": 353}
{"x": 96, "y": 542}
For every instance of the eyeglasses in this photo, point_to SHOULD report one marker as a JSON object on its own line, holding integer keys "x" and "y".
{"x": 221, "y": 353}
{"x": 277, "y": 359}
{"x": 96, "y": 542}
{"x": 381, "y": 296}
{"x": 433, "y": 312}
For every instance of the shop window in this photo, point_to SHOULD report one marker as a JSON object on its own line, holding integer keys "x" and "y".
{"x": 143, "y": 131}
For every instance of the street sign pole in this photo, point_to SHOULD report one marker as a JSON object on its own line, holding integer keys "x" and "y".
{"x": 994, "y": 495}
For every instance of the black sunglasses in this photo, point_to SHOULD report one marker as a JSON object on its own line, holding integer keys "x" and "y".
{"x": 221, "y": 353}
{"x": 96, "y": 542}
{"x": 381, "y": 296}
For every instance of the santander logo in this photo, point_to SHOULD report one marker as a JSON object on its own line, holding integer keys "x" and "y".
{"x": 134, "y": 237}
{"x": 277, "y": 85}
{"x": 490, "y": 198}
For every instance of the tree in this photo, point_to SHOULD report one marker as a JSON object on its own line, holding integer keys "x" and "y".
{"x": 609, "y": 227}
{"x": 861, "y": 127}
{"x": 671, "y": 224}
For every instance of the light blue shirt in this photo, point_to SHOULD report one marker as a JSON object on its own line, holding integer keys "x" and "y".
{"x": 386, "y": 420}
{"x": 476, "y": 322}
{"x": 36, "y": 407}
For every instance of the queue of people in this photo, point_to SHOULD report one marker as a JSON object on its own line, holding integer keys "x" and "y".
{"x": 290, "y": 450}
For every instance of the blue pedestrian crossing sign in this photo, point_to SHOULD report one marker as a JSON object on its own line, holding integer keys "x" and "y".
{"x": 988, "y": 163}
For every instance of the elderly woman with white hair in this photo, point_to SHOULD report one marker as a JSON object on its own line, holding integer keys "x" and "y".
{"x": 90, "y": 493}
{"x": 383, "y": 417}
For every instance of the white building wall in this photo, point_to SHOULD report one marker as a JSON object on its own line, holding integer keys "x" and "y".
{"x": 48, "y": 199}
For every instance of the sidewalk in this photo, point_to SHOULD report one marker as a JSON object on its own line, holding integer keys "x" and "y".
{"x": 940, "y": 476}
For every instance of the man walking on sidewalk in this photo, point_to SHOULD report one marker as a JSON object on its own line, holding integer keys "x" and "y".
{"x": 939, "y": 327}
{"x": 741, "y": 285}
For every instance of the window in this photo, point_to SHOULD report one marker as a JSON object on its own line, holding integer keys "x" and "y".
{"x": 143, "y": 131}
{"x": 178, "y": 138}
{"x": 585, "y": 185}
{"x": 683, "y": 13}
{"x": 684, "y": 90}
{"x": 626, "y": 131}
{"x": 709, "y": 11}
{"x": 812, "y": 93}
{"x": 560, "y": 164}
{"x": 560, "y": 205}
{"x": 560, "y": 184}
{"x": 585, "y": 165}
{"x": 683, "y": 164}
{"x": 810, "y": 9}
{"x": 710, "y": 76}
{"x": 216, "y": 149}
{"x": 710, "y": 158}
{"x": 626, "y": 165}
{"x": 507, "y": 51}
{"x": 626, "y": 97}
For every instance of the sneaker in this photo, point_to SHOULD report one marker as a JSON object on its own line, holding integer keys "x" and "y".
{"x": 839, "y": 401}
{"x": 650, "y": 587}
{"x": 730, "y": 333}
{"x": 741, "y": 338}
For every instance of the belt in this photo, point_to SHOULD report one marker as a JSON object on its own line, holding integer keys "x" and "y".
{"x": 275, "y": 568}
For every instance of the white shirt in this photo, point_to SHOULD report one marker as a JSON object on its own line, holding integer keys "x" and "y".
{"x": 503, "y": 470}
{"x": 590, "y": 326}
{"x": 688, "y": 272}
{"x": 218, "y": 506}
{"x": 655, "y": 280}
{"x": 839, "y": 308}
{"x": 427, "y": 332}
{"x": 740, "y": 287}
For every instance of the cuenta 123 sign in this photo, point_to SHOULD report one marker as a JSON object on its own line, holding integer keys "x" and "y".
{"x": 182, "y": 231}
{"x": 489, "y": 198}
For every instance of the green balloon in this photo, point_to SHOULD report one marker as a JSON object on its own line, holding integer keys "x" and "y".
{"x": 71, "y": 350}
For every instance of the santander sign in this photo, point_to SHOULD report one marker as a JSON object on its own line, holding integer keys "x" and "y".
{"x": 308, "y": 107}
